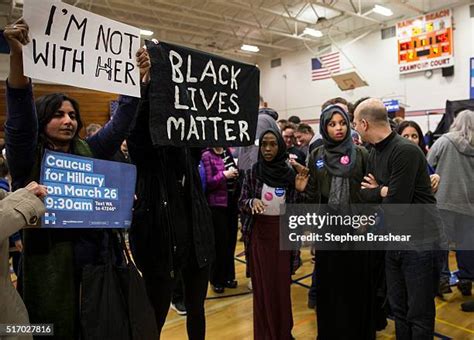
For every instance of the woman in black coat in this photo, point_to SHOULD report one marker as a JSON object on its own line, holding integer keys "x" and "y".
{"x": 172, "y": 226}
{"x": 346, "y": 279}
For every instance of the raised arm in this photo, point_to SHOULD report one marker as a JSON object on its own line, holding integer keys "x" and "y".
{"x": 16, "y": 36}
{"x": 139, "y": 142}
{"x": 106, "y": 142}
{"x": 21, "y": 126}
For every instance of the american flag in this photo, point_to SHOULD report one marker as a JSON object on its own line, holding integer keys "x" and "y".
{"x": 331, "y": 65}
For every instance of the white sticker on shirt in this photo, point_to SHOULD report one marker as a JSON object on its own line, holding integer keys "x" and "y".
{"x": 274, "y": 199}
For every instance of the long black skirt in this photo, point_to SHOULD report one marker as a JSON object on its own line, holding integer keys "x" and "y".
{"x": 346, "y": 286}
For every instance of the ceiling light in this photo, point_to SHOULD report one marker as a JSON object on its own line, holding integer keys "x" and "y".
{"x": 146, "y": 33}
{"x": 312, "y": 32}
{"x": 249, "y": 48}
{"x": 382, "y": 10}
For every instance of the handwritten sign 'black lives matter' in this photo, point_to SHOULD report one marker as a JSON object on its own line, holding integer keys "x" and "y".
{"x": 199, "y": 99}
{"x": 75, "y": 47}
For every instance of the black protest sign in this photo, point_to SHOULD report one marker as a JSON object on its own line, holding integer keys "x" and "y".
{"x": 199, "y": 99}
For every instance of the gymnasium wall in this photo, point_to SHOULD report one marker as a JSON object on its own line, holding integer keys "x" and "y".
{"x": 94, "y": 105}
{"x": 290, "y": 91}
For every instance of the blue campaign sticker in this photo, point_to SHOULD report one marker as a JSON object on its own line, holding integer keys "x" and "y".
{"x": 319, "y": 163}
{"x": 87, "y": 193}
{"x": 279, "y": 192}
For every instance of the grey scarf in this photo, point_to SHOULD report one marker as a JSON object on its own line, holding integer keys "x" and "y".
{"x": 340, "y": 191}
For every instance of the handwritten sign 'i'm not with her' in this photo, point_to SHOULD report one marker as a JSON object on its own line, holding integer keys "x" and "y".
{"x": 200, "y": 99}
{"x": 75, "y": 47}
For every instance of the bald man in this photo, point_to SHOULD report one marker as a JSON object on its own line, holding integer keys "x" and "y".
{"x": 397, "y": 173}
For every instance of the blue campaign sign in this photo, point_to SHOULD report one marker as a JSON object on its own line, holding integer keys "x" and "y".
{"x": 86, "y": 192}
{"x": 392, "y": 105}
{"x": 471, "y": 79}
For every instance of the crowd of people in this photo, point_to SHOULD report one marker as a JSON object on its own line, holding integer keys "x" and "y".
{"x": 189, "y": 202}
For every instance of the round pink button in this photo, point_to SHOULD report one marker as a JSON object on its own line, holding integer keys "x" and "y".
{"x": 345, "y": 160}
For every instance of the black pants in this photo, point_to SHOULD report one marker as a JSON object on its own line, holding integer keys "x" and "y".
{"x": 458, "y": 228}
{"x": 233, "y": 231}
{"x": 225, "y": 222}
{"x": 411, "y": 287}
{"x": 195, "y": 279}
{"x": 312, "y": 289}
{"x": 178, "y": 292}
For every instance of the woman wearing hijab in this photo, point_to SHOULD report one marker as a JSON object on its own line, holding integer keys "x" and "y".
{"x": 345, "y": 287}
{"x": 267, "y": 185}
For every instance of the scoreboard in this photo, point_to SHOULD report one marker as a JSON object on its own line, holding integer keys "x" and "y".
{"x": 426, "y": 42}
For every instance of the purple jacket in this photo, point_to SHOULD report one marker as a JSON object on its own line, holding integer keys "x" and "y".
{"x": 216, "y": 183}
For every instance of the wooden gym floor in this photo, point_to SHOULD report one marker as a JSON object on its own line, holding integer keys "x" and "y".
{"x": 231, "y": 317}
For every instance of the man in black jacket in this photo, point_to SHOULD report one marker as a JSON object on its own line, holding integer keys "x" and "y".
{"x": 397, "y": 174}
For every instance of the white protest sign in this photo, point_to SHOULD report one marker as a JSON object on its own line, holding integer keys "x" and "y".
{"x": 74, "y": 47}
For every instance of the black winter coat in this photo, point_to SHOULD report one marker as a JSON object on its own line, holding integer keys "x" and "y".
{"x": 171, "y": 220}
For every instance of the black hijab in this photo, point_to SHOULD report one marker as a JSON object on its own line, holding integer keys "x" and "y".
{"x": 276, "y": 173}
{"x": 339, "y": 157}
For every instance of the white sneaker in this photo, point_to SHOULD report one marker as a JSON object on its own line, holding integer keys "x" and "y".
{"x": 179, "y": 308}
